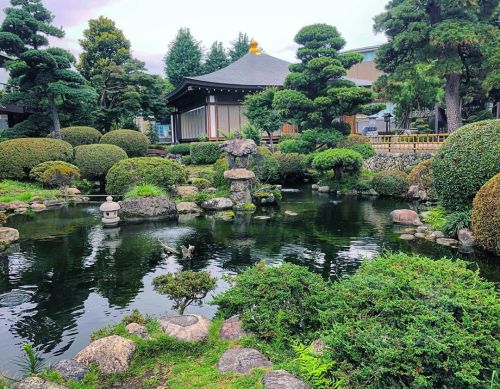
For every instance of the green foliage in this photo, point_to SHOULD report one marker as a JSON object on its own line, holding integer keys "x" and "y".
{"x": 480, "y": 116}
{"x": 391, "y": 182}
{"x": 252, "y": 132}
{"x": 32, "y": 362}
{"x": 435, "y": 217}
{"x": 315, "y": 367}
{"x": 23, "y": 191}
{"x": 353, "y": 139}
{"x": 147, "y": 170}
{"x": 421, "y": 175}
{"x": 216, "y": 58}
{"x": 134, "y": 317}
{"x": 292, "y": 166}
{"x": 145, "y": 190}
{"x": 486, "y": 215}
{"x": 183, "y": 58}
{"x": 410, "y": 321}
{"x": 456, "y": 221}
{"x": 286, "y": 298}
{"x": 220, "y": 166}
{"x": 365, "y": 149}
{"x": 77, "y": 136}
{"x": 185, "y": 288}
{"x": 295, "y": 146}
{"x": 311, "y": 140}
{"x": 94, "y": 161}
{"x": 341, "y": 161}
{"x": 133, "y": 142}
{"x": 265, "y": 165}
{"x": 204, "y": 152}
{"x": 466, "y": 160}
{"x": 201, "y": 183}
{"x": 57, "y": 174}
{"x": 152, "y": 134}
{"x": 37, "y": 172}
{"x": 19, "y": 156}
{"x": 239, "y": 47}
{"x": 181, "y": 148}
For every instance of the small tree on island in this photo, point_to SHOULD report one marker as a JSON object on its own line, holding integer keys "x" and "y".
{"x": 185, "y": 288}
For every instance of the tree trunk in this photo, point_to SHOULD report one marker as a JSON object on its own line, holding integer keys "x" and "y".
{"x": 452, "y": 98}
{"x": 55, "y": 117}
{"x": 270, "y": 134}
{"x": 338, "y": 173}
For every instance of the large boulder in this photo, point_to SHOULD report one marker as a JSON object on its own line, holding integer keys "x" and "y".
{"x": 406, "y": 217}
{"x": 8, "y": 235}
{"x": 188, "y": 207}
{"x": 281, "y": 379}
{"x": 465, "y": 237}
{"x": 232, "y": 329}
{"x": 153, "y": 208}
{"x": 217, "y": 204}
{"x": 190, "y": 328}
{"x": 70, "y": 369}
{"x": 36, "y": 383}
{"x": 242, "y": 360}
{"x": 112, "y": 354}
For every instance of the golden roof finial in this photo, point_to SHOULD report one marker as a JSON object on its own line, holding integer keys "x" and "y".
{"x": 254, "y": 47}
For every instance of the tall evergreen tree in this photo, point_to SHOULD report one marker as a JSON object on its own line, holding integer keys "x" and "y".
{"x": 183, "y": 58}
{"x": 216, "y": 58}
{"x": 42, "y": 78}
{"x": 457, "y": 37}
{"x": 239, "y": 47}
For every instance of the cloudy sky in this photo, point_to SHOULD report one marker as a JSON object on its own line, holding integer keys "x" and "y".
{"x": 151, "y": 24}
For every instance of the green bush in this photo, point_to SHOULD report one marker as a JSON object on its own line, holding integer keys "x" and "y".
{"x": 252, "y": 132}
{"x": 456, "y": 221}
{"x": 203, "y": 153}
{"x": 436, "y": 218}
{"x": 486, "y": 215}
{"x": 391, "y": 182}
{"x": 220, "y": 166}
{"x": 19, "y": 156}
{"x": 341, "y": 161}
{"x": 134, "y": 143}
{"x": 421, "y": 175}
{"x": 286, "y": 299}
{"x": 146, "y": 170}
{"x": 292, "y": 166}
{"x": 145, "y": 190}
{"x": 405, "y": 321}
{"x": 94, "y": 161}
{"x": 290, "y": 136}
{"x": 365, "y": 149}
{"x": 77, "y": 136}
{"x": 295, "y": 146}
{"x": 55, "y": 173}
{"x": 353, "y": 139}
{"x": 181, "y": 148}
{"x": 466, "y": 160}
{"x": 265, "y": 165}
{"x": 201, "y": 183}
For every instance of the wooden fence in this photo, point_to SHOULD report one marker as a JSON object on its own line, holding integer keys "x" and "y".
{"x": 418, "y": 143}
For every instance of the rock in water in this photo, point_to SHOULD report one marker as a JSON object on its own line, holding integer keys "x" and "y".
{"x": 188, "y": 207}
{"x": 186, "y": 327}
{"x": 112, "y": 354}
{"x": 242, "y": 360}
{"x": 281, "y": 379}
{"x": 406, "y": 217}
{"x": 151, "y": 208}
{"x": 217, "y": 204}
{"x": 70, "y": 369}
{"x": 36, "y": 383}
{"x": 8, "y": 235}
{"x": 232, "y": 328}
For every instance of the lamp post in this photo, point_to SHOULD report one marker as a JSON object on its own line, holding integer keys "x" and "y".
{"x": 387, "y": 120}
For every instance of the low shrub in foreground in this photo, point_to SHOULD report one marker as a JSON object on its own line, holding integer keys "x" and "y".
{"x": 145, "y": 190}
{"x": 55, "y": 174}
{"x": 134, "y": 143}
{"x": 19, "y": 156}
{"x": 391, "y": 182}
{"x": 146, "y": 170}
{"x": 77, "y": 136}
{"x": 413, "y": 322}
{"x": 94, "y": 161}
{"x": 203, "y": 153}
{"x": 486, "y": 215}
{"x": 341, "y": 161}
{"x": 37, "y": 172}
{"x": 181, "y": 148}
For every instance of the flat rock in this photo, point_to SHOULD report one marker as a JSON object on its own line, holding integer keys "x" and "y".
{"x": 148, "y": 208}
{"x": 70, "y": 369}
{"x": 239, "y": 174}
{"x": 291, "y": 213}
{"x": 190, "y": 328}
{"x": 232, "y": 329}
{"x": 314, "y": 186}
{"x": 38, "y": 207}
{"x": 36, "y": 383}
{"x": 465, "y": 237}
{"x": 281, "y": 379}
{"x": 422, "y": 228}
{"x": 262, "y": 217}
{"x": 13, "y": 205}
{"x": 8, "y": 235}
{"x": 407, "y": 237}
{"x": 71, "y": 191}
{"x": 137, "y": 329}
{"x": 188, "y": 207}
{"x": 420, "y": 235}
{"x": 406, "y": 217}
{"x": 186, "y": 190}
{"x": 436, "y": 235}
{"x": 242, "y": 360}
{"x": 54, "y": 203}
{"x": 323, "y": 189}
{"x": 447, "y": 242}
{"x": 112, "y": 354}
{"x": 217, "y": 204}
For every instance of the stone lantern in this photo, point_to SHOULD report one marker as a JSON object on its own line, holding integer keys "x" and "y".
{"x": 109, "y": 211}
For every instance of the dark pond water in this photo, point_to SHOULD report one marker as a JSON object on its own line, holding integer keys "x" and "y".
{"x": 68, "y": 276}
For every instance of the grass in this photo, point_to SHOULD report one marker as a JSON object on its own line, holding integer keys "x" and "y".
{"x": 23, "y": 191}
{"x": 145, "y": 190}
{"x": 200, "y": 171}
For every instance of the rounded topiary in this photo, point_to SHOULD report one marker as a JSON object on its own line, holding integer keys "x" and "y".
{"x": 391, "y": 183}
{"x": 134, "y": 143}
{"x": 47, "y": 173}
{"x": 421, "y": 175}
{"x": 205, "y": 152}
{"x": 466, "y": 160}
{"x": 291, "y": 166}
{"x": 486, "y": 215}
{"x": 365, "y": 149}
{"x": 94, "y": 161}
{"x": 147, "y": 170}
{"x": 80, "y": 135}
{"x": 339, "y": 160}
{"x": 19, "y": 156}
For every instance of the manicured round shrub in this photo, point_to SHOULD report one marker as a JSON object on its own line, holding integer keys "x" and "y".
{"x": 391, "y": 182}
{"x": 94, "y": 161}
{"x": 203, "y": 153}
{"x": 55, "y": 173}
{"x": 147, "y": 170}
{"x": 466, "y": 160}
{"x": 486, "y": 215}
{"x": 292, "y": 166}
{"x": 19, "y": 156}
{"x": 181, "y": 148}
{"x": 77, "y": 136}
{"x": 134, "y": 143}
{"x": 405, "y": 321}
{"x": 342, "y": 161}
{"x": 295, "y": 146}
{"x": 201, "y": 183}
{"x": 365, "y": 149}
{"x": 421, "y": 175}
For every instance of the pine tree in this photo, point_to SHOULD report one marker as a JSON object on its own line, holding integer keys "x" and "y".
{"x": 183, "y": 58}
{"x": 216, "y": 58}
{"x": 239, "y": 47}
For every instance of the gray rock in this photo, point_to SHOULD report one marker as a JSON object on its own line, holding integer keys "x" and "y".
{"x": 36, "y": 383}
{"x": 8, "y": 235}
{"x": 70, "y": 369}
{"x": 407, "y": 237}
{"x": 422, "y": 195}
{"x": 420, "y": 235}
{"x": 465, "y": 237}
{"x": 138, "y": 330}
{"x": 190, "y": 328}
{"x": 217, "y": 204}
{"x": 412, "y": 192}
{"x": 188, "y": 207}
{"x": 314, "y": 186}
{"x": 38, "y": 207}
{"x": 232, "y": 328}
{"x": 13, "y": 205}
{"x": 291, "y": 213}
{"x": 436, "y": 235}
{"x": 242, "y": 360}
{"x": 400, "y": 161}
{"x": 54, "y": 203}
{"x": 422, "y": 228}
{"x": 211, "y": 190}
{"x": 281, "y": 379}
{"x": 3, "y": 218}
{"x": 323, "y": 189}
{"x": 406, "y": 217}
{"x": 447, "y": 242}
{"x": 153, "y": 208}
{"x": 186, "y": 190}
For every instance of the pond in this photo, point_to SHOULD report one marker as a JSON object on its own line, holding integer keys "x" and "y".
{"x": 68, "y": 276}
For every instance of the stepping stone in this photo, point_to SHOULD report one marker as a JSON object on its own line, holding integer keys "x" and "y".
{"x": 232, "y": 329}
{"x": 281, "y": 379}
{"x": 291, "y": 213}
{"x": 36, "y": 383}
{"x": 407, "y": 237}
{"x": 190, "y": 328}
{"x": 242, "y": 360}
{"x": 447, "y": 242}
{"x": 262, "y": 217}
{"x": 70, "y": 369}
{"x": 420, "y": 235}
{"x": 137, "y": 329}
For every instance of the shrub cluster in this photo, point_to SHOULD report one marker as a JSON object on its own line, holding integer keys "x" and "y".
{"x": 181, "y": 148}
{"x": 146, "y": 170}
{"x": 265, "y": 165}
{"x": 55, "y": 173}
{"x": 466, "y": 160}
{"x": 94, "y": 161}
{"x": 203, "y": 153}
{"x": 342, "y": 161}
{"x": 421, "y": 175}
{"x": 486, "y": 215}
{"x": 292, "y": 166}
{"x": 391, "y": 182}
{"x": 220, "y": 166}
{"x": 134, "y": 143}
{"x": 365, "y": 149}
{"x": 19, "y": 156}
{"x": 353, "y": 139}
{"x": 77, "y": 136}
{"x": 295, "y": 146}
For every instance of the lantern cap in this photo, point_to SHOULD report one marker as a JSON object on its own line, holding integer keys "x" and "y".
{"x": 109, "y": 205}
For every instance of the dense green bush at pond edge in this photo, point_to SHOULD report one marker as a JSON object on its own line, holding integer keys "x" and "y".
{"x": 205, "y": 152}
{"x": 77, "y": 136}
{"x": 134, "y": 143}
{"x": 94, "y": 161}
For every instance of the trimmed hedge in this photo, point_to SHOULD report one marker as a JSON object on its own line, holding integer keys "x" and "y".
{"x": 147, "y": 170}
{"x": 391, "y": 182}
{"x": 40, "y": 172}
{"x": 134, "y": 143}
{"x": 19, "y": 156}
{"x": 94, "y": 161}
{"x": 81, "y": 135}
{"x": 486, "y": 215}
{"x": 466, "y": 160}
{"x": 204, "y": 153}
{"x": 181, "y": 148}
